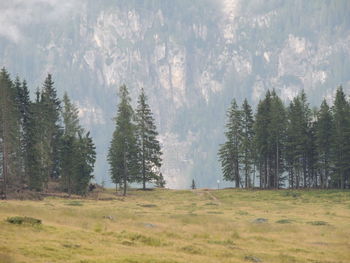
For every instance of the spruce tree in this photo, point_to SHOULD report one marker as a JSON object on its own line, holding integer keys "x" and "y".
{"x": 262, "y": 135}
{"x": 193, "y": 184}
{"x": 229, "y": 152}
{"x": 50, "y": 107}
{"x": 276, "y": 141}
{"x": 341, "y": 140}
{"x": 84, "y": 161}
{"x": 123, "y": 151}
{"x": 35, "y": 169}
{"x": 23, "y": 103}
{"x": 11, "y": 164}
{"x": 148, "y": 145}
{"x": 247, "y": 146}
{"x": 324, "y": 127}
{"x": 160, "y": 181}
{"x": 77, "y": 152}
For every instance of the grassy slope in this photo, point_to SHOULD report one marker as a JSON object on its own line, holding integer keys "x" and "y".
{"x": 182, "y": 226}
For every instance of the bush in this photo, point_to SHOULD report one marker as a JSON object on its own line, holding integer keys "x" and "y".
{"x": 318, "y": 223}
{"x": 19, "y": 220}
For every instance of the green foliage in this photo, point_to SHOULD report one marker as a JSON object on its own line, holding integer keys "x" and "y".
{"x": 19, "y": 220}
{"x": 312, "y": 146}
{"x": 148, "y": 145}
{"x": 229, "y": 152}
{"x": 123, "y": 151}
{"x": 34, "y": 147}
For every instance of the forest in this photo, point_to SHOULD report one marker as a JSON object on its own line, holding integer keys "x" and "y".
{"x": 42, "y": 145}
{"x": 44, "y": 148}
{"x": 292, "y": 146}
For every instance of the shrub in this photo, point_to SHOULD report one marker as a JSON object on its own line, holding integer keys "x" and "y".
{"x": 19, "y": 220}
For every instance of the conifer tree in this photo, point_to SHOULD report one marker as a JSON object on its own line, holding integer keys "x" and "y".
{"x": 262, "y": 135}
{"x": 50, "y": 107}
{"x": 123, "y": 152}
{"x": 9, "y": 135}
{"x": 35, "y": 145}
{"x": 84, "y": 161}
{"x": 324, "y": 127}
{"x": 193, "y": 184}
{"x": 276, "y": 140}
{"x": 23, "y": 103}
{"x": 341, "y": 140}
{"x": 160, "y": 181}
{"x": 247, "y": 146}
{"x": 77, "y": 152}
{"x": 148, "y": 145}
{"x": 229, "y": 152}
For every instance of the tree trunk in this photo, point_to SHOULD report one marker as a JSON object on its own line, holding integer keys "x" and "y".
{"x": 125, "y": 175}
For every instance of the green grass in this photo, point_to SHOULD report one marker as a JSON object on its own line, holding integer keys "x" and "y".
{"x": 181, "y": 226}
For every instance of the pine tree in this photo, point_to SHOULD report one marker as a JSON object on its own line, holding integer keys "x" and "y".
{"x": 324, "y": 127}
{"x": 9, "y": 134}
{"x": 50, "y": 107}
{"x": 123, "y": 152}
{"x": 229, "y": 152}
{"x": 35, "y": 145}
{"x": 341, "y": 140}
{"x": 247, "y": 146}
{"x": 77, "y": 152}
{"x": 262, "y": 135}
{"x": 276, "y": 140}
{"x": 160, "y": 181}
{"x": 149, "y": 147}
{"x": 84, "y": 159}
{"x": 193, "y": 184}
{"x": 23, "y": 103}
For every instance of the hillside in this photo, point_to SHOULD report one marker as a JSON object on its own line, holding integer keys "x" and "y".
{"x": 181, "y": 226}
{"x": 192, "y": 58}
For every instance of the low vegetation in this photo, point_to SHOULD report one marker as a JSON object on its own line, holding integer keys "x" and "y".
{"x": 180, "y": 226}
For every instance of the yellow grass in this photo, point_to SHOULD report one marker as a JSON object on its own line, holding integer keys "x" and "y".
{"x": 182, "y": 226}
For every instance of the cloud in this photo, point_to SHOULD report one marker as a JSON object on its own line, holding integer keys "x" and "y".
{"x": 16, "y": 15}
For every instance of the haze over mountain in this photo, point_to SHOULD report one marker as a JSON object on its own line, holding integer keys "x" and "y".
{"x": 191, "y": 57}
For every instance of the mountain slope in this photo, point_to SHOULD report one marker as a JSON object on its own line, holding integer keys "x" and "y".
{"x": 191, "y": 58}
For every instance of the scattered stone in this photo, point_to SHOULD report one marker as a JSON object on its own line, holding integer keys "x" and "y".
{"x": 147, "y": 205}
{"x": 149, "y": 225}
{"x": 109, "y": 217}
{"x": 284, "y": 221}
{"x": 69, "y": 245}
{"x": 260, "y": 220}
{"x": 252, "y": 259}
{"x": 19, "y": 220}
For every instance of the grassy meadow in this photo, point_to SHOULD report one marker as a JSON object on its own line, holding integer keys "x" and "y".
{"x": 181, "y": 226}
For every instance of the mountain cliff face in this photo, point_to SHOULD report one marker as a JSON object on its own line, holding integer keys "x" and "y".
{"x": 191, "y": 57}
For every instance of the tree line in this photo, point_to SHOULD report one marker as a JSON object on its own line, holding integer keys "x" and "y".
{"x": 290, "y": 146}
{"x": 135, "y": 153}
{"x": 41, "y": 141}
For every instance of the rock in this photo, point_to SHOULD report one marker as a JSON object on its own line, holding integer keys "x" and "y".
{"x": 260, "y": 220}
{"x": 149, "y": 225}
{"x": 109, "y": 217}
{"x": 252, "y": 259}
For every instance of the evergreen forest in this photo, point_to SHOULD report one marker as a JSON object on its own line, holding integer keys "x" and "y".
{"x": 42, "y": 145}
{"x": 288, "y": 146}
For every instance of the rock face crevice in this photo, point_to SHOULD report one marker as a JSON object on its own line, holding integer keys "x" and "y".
{"x": 191, "y": 57}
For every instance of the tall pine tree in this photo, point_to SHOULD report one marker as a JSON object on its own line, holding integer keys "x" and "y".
{"x": 51, "y": 134}
{"x": 247, "y": 145}
{"x": 123, "y": 151}
{"x": 229, "y": 152}
{"x": 149, "y": 147}
{"x": 341, "y": 140}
